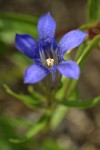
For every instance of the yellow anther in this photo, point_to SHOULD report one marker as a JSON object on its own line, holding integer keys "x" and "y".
{"x": 50, "y": 62}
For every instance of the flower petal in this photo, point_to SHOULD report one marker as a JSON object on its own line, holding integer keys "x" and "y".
{"x": 35, "y": 73}
{"x": 27, "y": 45}
{"x": 71, "y": 40}
{"x": 46, "y": 28}
{"x": 69, "y": 68}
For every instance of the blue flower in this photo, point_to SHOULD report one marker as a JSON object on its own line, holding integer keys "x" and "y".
{"x": 46, "y": 53}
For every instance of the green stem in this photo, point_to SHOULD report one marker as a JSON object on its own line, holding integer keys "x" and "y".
{"x": 88, "y": 49}
{"x": 82, "y": 58}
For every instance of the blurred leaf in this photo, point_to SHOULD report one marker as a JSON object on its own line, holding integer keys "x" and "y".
{"x": 34, "y": 130}
{"x": 37, "y": 127}
{"x": 6, "y": 132}
{"x": 58, "y": 116}
{"x": 52, "y": 144}
{"x": 21, "y": 61}
{"x": 81, "y": 103}
{"x": 26, "y": 99}
{"x": 15, "y": 122}
{"x": 94, "y": 10}
{"x": 36, "y": 95}
{"x": 12, "y": 23}
{"x": 87, "y": 26}
{"x": 17, "y": 57}
{"x": 4, "y": 145}
{"x": 3, "y": 48}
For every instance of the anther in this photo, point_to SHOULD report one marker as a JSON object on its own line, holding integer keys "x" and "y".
{"x": 50, "y": 62}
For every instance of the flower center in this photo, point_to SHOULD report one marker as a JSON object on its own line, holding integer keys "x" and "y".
{"x": 50, "y": 62}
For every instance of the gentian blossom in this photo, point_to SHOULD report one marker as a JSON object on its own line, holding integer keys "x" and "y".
{"x": 47, "y": 55}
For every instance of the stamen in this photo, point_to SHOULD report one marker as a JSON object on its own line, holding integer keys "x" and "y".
{"x": 55, "y": 55}
{"x": 43, "y": 58}
{"x": 50, "y": 62}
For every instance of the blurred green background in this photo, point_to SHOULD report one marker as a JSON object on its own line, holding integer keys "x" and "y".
{"x": 80, "y": 130}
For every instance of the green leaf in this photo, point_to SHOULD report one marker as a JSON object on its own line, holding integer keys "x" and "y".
{"x": 3, "y": 48}
{"x": 58, "y": 116}
{"x": 87, "y": 26}
{"x": 36, "y": 95}
{"x": 7, "y": 130}
{"x": 37, "y": 127}
{"x": 94, "y": 10}
{"x": 21, "y": 61}
{"x": 4, "y": 145}
{"x": 81, "y": 103}
{"x": 52, "y": 144}
{"x": 34, "y": 130}
{"x": 26, "y": 99}
{"x": 14, "y": 122}
{"x": 12, "y": 23}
